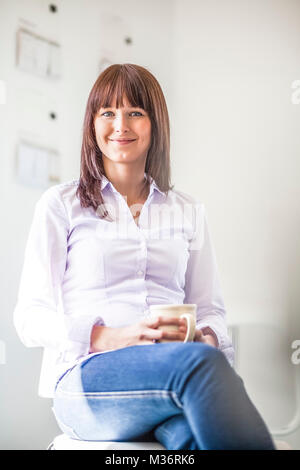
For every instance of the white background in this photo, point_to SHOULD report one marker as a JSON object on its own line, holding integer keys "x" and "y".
{"x": 226, "y": 68}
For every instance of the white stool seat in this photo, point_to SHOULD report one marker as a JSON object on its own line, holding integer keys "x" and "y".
{"x": 63, "y": 442}
{"x": 282, "y": 445}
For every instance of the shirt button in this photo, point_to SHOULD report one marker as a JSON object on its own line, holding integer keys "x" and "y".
{"x": 140, "y": 273}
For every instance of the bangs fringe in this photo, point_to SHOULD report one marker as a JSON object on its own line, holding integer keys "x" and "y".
{"x": 119, "y": 83}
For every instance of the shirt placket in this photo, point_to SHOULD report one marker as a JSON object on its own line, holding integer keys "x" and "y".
{"x": 143, "y": 255}
{"x": 140, "y": 232}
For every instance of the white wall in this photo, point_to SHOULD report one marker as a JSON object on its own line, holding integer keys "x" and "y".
{"x": 226, "y": 68}
{"x": 236, "y": 146}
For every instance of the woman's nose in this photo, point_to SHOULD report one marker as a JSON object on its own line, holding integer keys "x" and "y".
{"x": 121, "y": 123}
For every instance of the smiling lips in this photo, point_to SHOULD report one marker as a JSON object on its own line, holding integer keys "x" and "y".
{"x": 123, "y": 141}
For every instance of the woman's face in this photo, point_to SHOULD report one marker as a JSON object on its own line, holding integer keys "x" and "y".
{"x": 123, "y": 134}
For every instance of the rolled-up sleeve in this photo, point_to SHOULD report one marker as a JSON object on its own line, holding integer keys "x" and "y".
{"x": 202, "y": 284}
{"x": 38, "y": 316}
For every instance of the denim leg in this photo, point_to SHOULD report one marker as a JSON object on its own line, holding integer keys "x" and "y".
{"x": 175, "y": 434}
{"x": 216, "y": 404}
{"x": 117, "y": 396}
{"x": 125, "y": 394}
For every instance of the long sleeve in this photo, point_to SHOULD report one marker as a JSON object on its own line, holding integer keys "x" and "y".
{"x": 202, "y": 285}
{"x": 38, "y": 316}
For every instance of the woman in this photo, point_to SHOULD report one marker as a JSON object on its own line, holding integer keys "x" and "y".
{"x": 101, "y": 250}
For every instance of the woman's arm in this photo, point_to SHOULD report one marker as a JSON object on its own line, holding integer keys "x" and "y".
{"x": 38, "y": 316}
{"x": 202, "y": 286}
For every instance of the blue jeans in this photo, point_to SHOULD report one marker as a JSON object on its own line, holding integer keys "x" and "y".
{"x": 184, "y": 395}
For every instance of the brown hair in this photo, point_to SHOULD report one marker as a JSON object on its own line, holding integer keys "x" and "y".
{"x": 142, "y": 90}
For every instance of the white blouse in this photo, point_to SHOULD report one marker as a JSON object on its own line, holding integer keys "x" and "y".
{"x": 80, "y": 270}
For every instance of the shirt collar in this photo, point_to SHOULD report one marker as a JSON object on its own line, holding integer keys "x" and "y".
{"x": 105, "y": 182}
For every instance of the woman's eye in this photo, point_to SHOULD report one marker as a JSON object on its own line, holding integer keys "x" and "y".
{"x": 109, "y": 113}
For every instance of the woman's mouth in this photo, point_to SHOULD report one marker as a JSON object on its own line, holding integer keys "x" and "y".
{"x": 123, "y": 141}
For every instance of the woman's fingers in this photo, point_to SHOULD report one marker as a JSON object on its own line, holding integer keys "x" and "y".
{"x": 183, "y": 328}
{"x": 151, "y": 333}
{"x": 152, "y": 322}
{"x": 159, "y": 321}
{"x": 199, "y": 336}
{"x": 173, "y": 335}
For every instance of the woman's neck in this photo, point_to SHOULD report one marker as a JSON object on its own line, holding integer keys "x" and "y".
{"x": 132, "y": 187}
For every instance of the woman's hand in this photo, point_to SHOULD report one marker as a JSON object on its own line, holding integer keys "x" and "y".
{"x": 105, "y": 338}
{"x": 205, "y": 336}
{"x": 207, "y": 339}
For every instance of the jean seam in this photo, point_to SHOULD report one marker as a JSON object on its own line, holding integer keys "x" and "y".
{"x": 177, "y": 401}
{"x": 162, "y": 431}
{"x": 128, "y": 394}
{"x": 63, "y": 376}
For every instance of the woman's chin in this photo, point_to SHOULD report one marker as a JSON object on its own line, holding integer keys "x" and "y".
{"x": 124, "y": 156}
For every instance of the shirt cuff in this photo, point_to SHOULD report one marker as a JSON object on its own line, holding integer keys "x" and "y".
{"x": 78, "y": 336}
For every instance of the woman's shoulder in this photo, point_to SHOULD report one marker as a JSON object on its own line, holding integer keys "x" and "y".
{"x": 59, "y": 197}
{"x": 61, "y": 190}
{"x": 181, "y": 197}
